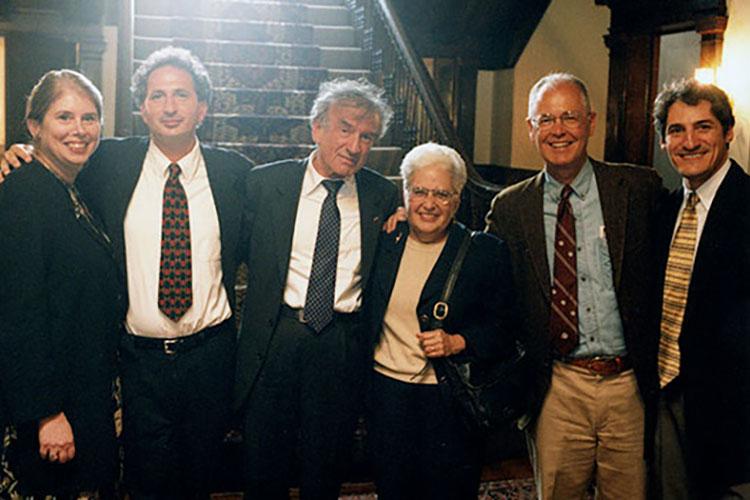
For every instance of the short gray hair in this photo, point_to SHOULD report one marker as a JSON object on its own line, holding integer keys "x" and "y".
{"x": 553, "y": 80}
{"x": 358, "y": 93}
{"x": 431, "y": 153}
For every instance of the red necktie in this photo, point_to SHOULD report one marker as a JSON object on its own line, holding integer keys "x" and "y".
{"x": 563, "y": 322}
{"x": 175, "y": 269}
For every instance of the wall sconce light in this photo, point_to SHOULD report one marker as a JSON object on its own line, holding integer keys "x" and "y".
{"x": 706, "y": 75}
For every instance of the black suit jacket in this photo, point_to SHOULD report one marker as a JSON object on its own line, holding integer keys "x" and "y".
{"x": 628, "y": 197}
{"x": 482, "y": 306}
{"x": 273, "y": 193}
{"x": 715, "y": 337}
{"x": 110, "y": 177}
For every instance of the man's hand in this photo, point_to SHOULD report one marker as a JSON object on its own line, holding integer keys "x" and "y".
{"x": 13, "y": 157}
{"x": 398, "y": 216}
{"x": 56, "y": 442}
{"x": 438, "y": 344}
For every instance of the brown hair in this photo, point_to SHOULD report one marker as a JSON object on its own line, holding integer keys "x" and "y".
{"x": 50, "y": 86}
{"x": 691, "y": 92}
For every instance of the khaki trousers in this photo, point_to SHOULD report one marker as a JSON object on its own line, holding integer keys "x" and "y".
{"x": 590, "y": 430}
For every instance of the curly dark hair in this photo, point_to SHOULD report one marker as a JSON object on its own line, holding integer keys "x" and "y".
{"x": 171, "y": 56}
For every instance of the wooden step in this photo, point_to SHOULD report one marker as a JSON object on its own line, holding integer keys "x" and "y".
{"x": 325, "y": 14}
{"x": 262, "y": 101}
{"x": 212, "y": 51}
{"x": 230, "y": 30}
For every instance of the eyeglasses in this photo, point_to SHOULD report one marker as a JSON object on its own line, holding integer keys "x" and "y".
{"x": 569, "y": 120}
{"x": 441, "y": 196}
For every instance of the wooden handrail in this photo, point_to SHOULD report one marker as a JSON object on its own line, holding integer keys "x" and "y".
{"x": 420, "y": 112}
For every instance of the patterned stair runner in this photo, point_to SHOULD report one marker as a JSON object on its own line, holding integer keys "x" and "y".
{"x": 266, "y": 60}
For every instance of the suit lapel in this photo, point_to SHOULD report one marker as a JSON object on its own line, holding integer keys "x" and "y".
{"x": 614, "y": 194}
{"x": 718, "y": 230}
{"x": 532, "y": 221}
{"x": 370, "y": 222}
{"x": 126, "y": 176}
{"x": 222, "y": 190}
{"x": 283, "y": 215}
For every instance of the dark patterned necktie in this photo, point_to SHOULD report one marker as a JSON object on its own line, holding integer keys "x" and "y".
{"x": 175, "y": 268}
{"x": 563, "y": 323}
{"x": 321, "y": 287}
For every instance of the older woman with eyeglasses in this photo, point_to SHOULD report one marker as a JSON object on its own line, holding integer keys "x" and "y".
{"x": 420, "y": 446}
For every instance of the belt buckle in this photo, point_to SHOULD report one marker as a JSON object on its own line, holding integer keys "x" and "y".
{"x": 301, "y": 315}
{"x": 168, "y": 346}
{"x": 605, "y": 365}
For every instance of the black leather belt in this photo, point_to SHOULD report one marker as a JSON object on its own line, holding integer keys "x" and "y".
{"x": 602, "y": 365}
{"x": 299, "y": 314}
{"x": 180, "y": 344}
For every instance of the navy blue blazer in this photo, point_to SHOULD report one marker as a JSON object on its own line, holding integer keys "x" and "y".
{"x": 715, "y": 337}
{"x": 482, "y": 306}
{"x": 112, "y": 173}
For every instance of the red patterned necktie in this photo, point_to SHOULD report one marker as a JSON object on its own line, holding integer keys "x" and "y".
{"x": 175, "y": 269}
{"x": 563, "y": 322}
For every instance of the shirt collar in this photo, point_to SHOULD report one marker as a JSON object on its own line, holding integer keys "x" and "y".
{"x": 707, "y": 191}
{"x": 189, "y": 163}
{"x": 313, "y": 179}
{"x": 581, "y": 184}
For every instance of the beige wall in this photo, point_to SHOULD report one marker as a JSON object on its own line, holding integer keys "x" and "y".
{"x": 734, "y": 77}
{"x": 568, "y": 38}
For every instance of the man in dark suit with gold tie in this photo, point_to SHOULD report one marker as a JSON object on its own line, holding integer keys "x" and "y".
{"x": 702, "y": 410}
{"x": 579, "y": 236}
{"x": 312, "y": 226}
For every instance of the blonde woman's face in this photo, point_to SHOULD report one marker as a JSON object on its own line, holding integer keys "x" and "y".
{"x": 69, "y": 132}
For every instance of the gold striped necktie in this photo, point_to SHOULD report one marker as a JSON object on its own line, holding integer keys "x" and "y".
{"x": 676, "y": 284}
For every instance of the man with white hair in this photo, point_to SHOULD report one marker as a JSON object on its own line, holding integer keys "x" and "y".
{"x": 579, "y": 236}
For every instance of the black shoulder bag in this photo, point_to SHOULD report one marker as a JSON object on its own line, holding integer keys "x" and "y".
{"x": 488, "y": 394}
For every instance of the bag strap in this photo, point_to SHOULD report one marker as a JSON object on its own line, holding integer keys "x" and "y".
{"x": 440, "y": 310}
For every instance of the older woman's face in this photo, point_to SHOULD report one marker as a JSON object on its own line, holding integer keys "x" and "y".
{"x": 69, "y": 132}
{"x": 431, "y": 203}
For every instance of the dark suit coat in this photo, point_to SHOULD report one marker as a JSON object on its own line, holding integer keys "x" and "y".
{"x": 59, "y": 312}
{"x": 482, "y": 306}
{"x": 273, "y": 193}
{"x": 715, "y": 337}
{"x": 628, "y": 195}
{"x": 113, "y": 171}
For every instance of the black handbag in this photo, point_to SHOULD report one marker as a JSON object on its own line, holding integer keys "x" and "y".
{"x": 489, "y": 395}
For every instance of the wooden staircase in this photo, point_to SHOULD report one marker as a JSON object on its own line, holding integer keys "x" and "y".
{"x": 266, "y": 60}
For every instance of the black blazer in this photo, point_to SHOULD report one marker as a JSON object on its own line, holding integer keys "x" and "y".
{"x": 715, "y": 337}
{"x": 628, "y": 197}
{"x": 482, "y": 305}
{"x": 273, "y": 193}
{"x": 59, "y": 312}
{"x": 110, "y": 177}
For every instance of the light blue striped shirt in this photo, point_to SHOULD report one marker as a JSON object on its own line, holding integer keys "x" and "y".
{"x": 599, "y": 324}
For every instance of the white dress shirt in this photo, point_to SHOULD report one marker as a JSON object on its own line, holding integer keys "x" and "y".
{"x": 143, "y": 249}
{"x": 706, "y": 193}
{"x": 348, "y": 292}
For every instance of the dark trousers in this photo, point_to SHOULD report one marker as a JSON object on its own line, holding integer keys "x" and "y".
{"x": 305, "y": 399}
{"x": 176, "y": 409}
{"x": 419, "y": 446}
